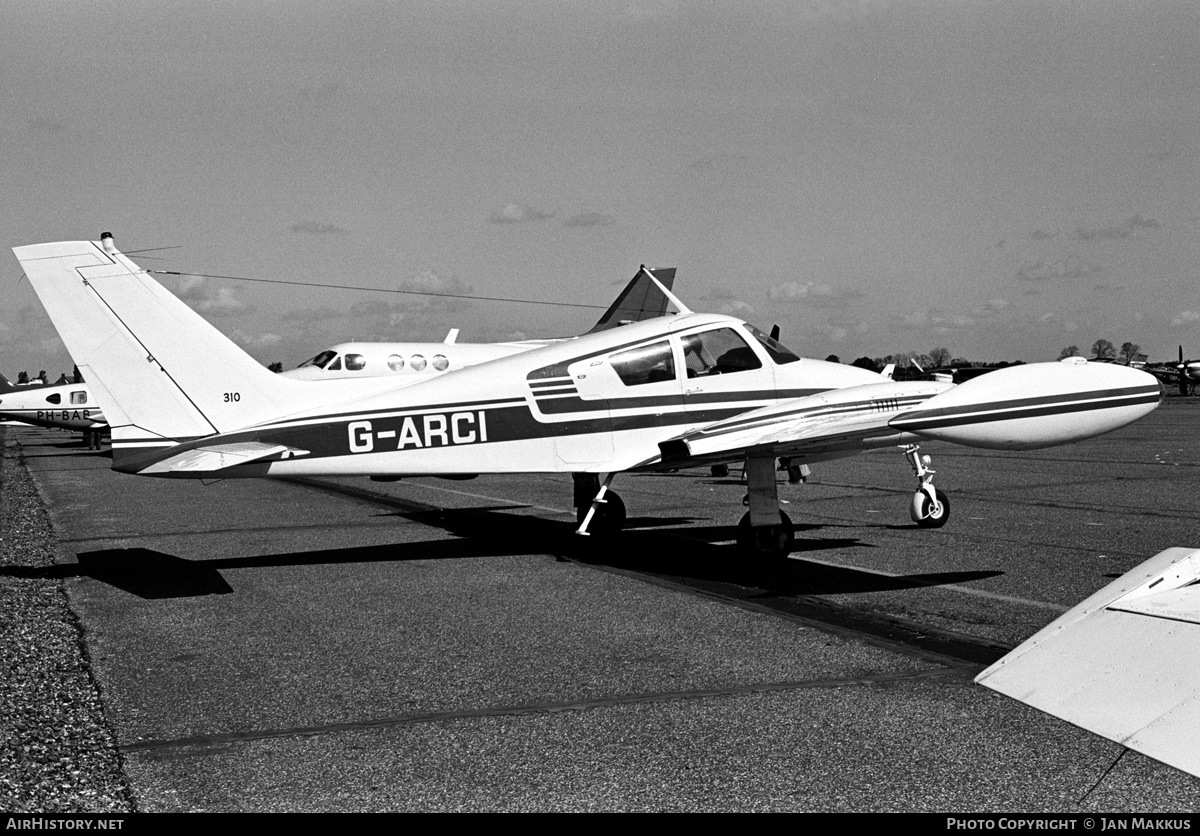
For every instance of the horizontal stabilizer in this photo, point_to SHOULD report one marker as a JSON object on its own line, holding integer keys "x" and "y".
{"x": 1124, "y": 664}
{"x": 220, "y": 456}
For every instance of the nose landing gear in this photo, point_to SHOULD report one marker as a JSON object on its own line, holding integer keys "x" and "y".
{"x": 930, "y": 507}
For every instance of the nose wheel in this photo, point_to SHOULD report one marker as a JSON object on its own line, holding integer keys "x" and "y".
{"x": 930, "y": 513}
{"x": 930, "y": 507}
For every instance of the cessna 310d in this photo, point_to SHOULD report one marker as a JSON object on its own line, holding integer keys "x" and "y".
{"x": 672, "y": 392}
{"x": 640, "y": 299}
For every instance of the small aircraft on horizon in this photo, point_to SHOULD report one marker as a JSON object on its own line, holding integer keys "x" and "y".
{"x": 687, "y": 390}
{"x": 410, "y": 361}
{"x": 1183, "y": 373}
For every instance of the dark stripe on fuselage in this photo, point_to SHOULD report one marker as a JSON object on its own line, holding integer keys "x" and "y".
{"x": 953, "y": 416}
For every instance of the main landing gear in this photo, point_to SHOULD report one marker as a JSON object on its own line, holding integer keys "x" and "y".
{"x": 765, "y": 531}
{"x": 930, "y": 508}
{"x": 597, "y": 509}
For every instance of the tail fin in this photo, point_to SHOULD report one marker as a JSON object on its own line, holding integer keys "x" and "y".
{"x": 158, "y": 369}
{"x": 641, "y": 299}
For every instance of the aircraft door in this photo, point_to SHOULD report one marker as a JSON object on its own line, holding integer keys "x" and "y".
{"x": 725, "y": 373}
{"x": 583, "y": 433}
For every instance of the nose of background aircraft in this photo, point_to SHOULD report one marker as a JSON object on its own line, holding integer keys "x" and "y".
{"x": 1036, "y": 405}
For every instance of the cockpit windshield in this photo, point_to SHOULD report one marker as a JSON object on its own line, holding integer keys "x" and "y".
{"x": 779, "y": 353}
{"x": 320, "y": 360}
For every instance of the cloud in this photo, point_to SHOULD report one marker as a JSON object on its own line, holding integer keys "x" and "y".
{"x": 726, "y": 302}
{"x": 815, "y": 295}
{"x": 938, "y": 322}
{"x": 1043, "y": 235}
{"x": 1116, "y": 231}
{"x": 519, "y": 213}
{"x": 254, "y": 341}
{"x": 314, "y": 228}
{"x": 586, "y": 219}
{"x": 203, "y": 298}
{"x": 1068, "y": 325}
{"x": 1067, "y": 268}
{"x": 1185, "y": 319}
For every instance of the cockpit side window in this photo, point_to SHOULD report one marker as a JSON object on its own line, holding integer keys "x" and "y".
{"x": 320, "y": 360}
{"x": 652, "y": 363}
{"x": 718, "y": 352}
{"x": 777, "y": 350}
{"x": 355, "y": 362}
{"x": 335, "y": 365}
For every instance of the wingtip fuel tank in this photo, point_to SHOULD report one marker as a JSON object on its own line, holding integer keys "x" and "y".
{"x": 1036, "y": 405}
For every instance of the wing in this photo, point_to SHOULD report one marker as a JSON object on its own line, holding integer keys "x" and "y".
{"x": 833, "y": 424}
{"x": 1016, "y": 408}
{"x": 1124, "y": 664}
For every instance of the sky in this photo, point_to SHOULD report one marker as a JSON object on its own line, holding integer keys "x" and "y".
{"x": 1003, "y": 179}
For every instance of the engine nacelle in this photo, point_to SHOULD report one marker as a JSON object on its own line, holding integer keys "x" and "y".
{"x": 1036, "y": 405}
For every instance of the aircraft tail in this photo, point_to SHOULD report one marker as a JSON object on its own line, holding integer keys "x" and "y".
{"x": 641, "y": 299}
{"x": 161, "y": 372}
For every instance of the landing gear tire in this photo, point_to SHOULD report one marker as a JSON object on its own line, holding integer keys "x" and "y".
{"x": 770, "y": 541}
{"x": 927, "y": 516}
{"x": 609, "y": 517}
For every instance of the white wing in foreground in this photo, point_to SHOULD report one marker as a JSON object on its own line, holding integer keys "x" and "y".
{"x": 1124, "y": 664}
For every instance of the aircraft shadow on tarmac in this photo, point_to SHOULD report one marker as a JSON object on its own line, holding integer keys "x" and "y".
{"x": 694, "y": 555}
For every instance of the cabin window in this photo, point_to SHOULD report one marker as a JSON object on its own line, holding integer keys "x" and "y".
{"x": 652, "y": 363}
{"x": 718, "y": 352}
{"x": 417, "y": 363}
{"x": 440, "y": 362}
{"x": 320, "y": 360}
{"x": 395, "y": 362}
{"x": 775, "y": 349}
{"x": 55, "y": 398}
{"x": 79, "y": 397}
{"x": 355, "y": 362}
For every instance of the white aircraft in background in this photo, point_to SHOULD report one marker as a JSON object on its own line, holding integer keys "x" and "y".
{"x": 69, "y": 406}
{"x": 640, "y": 299}
{"x": 691, "y": 389}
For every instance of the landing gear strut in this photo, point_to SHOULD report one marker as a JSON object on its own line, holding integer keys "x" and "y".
{"x": 930, "y": 507}
{"x": 764, "y": 531}
{"x": 597, "y": 509}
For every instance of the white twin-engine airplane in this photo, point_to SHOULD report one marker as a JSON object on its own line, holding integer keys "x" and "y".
{"x": 665, "y": 393}
{"x": 640, "y": 299}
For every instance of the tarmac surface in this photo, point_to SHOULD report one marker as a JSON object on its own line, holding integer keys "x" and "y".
{"x": 429, "y": 645}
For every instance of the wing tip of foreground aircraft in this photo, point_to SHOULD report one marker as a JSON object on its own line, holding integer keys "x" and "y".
{"x": 1116, "y": 663}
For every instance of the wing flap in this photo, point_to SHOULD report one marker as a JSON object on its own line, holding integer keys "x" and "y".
{"x": 1124, "y": 664}
{"x": 220, "y": 456}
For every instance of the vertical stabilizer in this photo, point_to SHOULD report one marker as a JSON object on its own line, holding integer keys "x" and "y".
{"x": 641, "y": 299}
{"x": 160, "y": 370}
